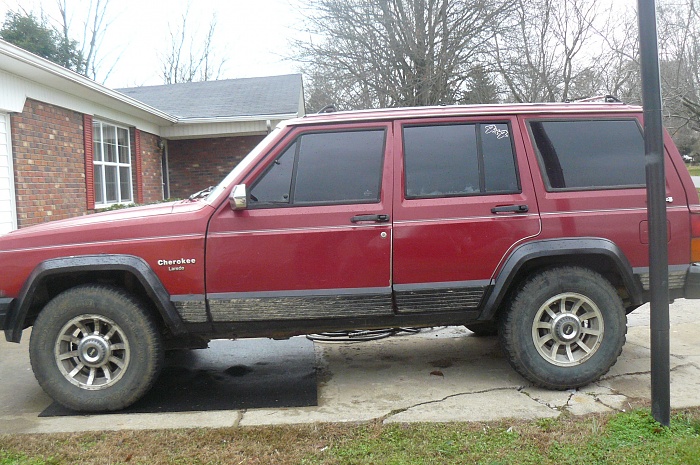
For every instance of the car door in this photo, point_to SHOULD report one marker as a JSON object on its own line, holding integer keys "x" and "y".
{"x": 463, "y": 198}
{"x": 315, "y": 239}
{"x": 592, "y": 170}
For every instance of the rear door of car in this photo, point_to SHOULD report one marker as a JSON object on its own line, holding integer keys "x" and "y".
{"x": 463, "y": 198}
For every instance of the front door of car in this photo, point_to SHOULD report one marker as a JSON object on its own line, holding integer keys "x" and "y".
{"x": 314, "y": 241}
{"x": 463, "y": 199}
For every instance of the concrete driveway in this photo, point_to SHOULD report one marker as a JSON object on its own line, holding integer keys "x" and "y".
{"x": 437, "y": 375}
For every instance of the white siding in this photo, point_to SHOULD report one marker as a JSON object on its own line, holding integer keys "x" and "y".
{"x": 8, "y": 213}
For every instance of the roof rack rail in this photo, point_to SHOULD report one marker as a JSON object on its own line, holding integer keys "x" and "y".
{"x": 330, "y": 108}
{"x": 598, "y": 98}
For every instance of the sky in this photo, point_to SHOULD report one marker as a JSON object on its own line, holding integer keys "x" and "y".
{"x": 252, "y": 35}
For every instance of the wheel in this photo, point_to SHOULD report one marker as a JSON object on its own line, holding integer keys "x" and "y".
{"x": 95, "y": 348}
{"x": 485, "y": 329}
{"x": 564, "y": 329}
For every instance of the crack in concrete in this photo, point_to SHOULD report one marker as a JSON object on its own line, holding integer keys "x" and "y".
{"x": 685, "y": 365}
{"x": 395, "y": 412}
{"x": 647, "y": 372}
{"x": 239, "y": 418}
{"x": 568, "y": 401}
{"x": 542, "y": 402}
{"x": 635, "y": 373}
{"x": 597, "y": 399}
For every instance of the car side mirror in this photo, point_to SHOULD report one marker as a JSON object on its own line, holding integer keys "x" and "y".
{"x": 239, "y": 197}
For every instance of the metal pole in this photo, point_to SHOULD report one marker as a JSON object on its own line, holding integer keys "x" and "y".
{"x": 656, "y": 211}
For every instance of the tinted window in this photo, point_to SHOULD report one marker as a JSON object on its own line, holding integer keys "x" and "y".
{"x": 275, "y": 185}
{"x": 459, "y": 159}
{"x": 590, "y": 154}
{"x": 318, "y": 168}
{"x": 499, "y": 166}
{"x": 339, "y": 167}
{"x": 440, "y": 161}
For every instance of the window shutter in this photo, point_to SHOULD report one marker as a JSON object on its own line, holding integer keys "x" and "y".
{"x": 89, "y": 162}
{"x": 138, "y": 160}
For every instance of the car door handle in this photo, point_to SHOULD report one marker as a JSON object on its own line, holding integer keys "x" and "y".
{"x": 510, "y": 209}
{"x": 375, "y": 218}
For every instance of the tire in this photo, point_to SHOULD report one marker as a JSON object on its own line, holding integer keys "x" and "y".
{"x": 485, "y": 329}
{"x": 564, "y": 328}
{"x": 95, "y": 348}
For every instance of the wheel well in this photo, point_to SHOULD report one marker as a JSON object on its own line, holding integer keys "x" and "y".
{"x": 53, "y": 285}
{"x": 601, "y": 264}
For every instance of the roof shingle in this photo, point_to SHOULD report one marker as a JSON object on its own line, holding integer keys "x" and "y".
{"x": 273, "y": 95}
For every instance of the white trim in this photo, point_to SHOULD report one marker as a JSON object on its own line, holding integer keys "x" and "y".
{"x": 18, "y": 61}
{"x": 24, "y": 75}
{"x": 11, "y": 175}
{"x": 236, "y": 119}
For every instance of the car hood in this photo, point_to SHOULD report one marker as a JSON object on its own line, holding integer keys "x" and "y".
{"x": 110, "y": 225}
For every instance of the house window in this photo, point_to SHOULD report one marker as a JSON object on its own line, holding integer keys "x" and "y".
{"x": 112, "y": 164}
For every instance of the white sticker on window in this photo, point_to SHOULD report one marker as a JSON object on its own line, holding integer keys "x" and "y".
{"x": 493, "y": 129}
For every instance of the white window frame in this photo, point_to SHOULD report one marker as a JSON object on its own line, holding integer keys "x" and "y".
{"x": 100, "y": 163}
{"x": 5, "y": 117}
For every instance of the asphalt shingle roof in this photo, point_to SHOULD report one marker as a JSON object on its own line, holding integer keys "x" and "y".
{"x": 271, "y": 95}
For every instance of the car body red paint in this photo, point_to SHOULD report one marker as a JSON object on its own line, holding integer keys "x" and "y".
{"x": 392, "y": 246}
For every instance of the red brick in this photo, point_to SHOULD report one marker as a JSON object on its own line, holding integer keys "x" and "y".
{"x": 198, "y": 163}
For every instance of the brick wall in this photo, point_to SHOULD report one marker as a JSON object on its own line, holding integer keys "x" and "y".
{"x": 151, "y": 168}
{"x": 198, "y": 163}
{"x": 49, "y": 163}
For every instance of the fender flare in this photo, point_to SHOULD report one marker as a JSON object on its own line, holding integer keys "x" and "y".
{"x": 105, "y": 262}
{"x": 559, "y": 248}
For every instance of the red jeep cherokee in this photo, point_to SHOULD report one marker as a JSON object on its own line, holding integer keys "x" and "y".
{"x": 526, "y": 219}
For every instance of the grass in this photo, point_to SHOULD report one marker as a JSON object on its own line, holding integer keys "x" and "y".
{"x": 625, "y": 438}
{"x": 694, "y": 170}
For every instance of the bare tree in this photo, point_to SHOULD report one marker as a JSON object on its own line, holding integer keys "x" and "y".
{"x": 93, "y": 29}
{"x": 382, "y": 53}
{"x": 184, "y": 61}
{"x": 544, "y": 54}
{"x": 679, "y": 44}
{"x": 679, "y": 37}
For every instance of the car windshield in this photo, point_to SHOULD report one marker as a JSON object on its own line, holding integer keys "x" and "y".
{"x": 241, "y": 167}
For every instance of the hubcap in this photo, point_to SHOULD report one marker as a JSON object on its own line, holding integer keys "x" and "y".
{"x": 92, "y": 352}
{"x": 567, "y": 329}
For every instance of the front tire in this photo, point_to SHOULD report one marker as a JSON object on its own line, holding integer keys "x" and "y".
{"x": 95, "y": 348}
{"x": 565, "y": 328}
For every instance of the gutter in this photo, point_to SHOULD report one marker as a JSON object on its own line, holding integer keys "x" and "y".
{"x": 46, "y": 66}
{"x": 236, "y": 119}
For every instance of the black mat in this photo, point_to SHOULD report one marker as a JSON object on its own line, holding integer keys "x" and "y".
{"x": 229, "y": 375}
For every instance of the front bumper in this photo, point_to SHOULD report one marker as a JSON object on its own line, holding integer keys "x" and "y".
{"x": 692, "y": 282}
{"x": 5, "y": 305}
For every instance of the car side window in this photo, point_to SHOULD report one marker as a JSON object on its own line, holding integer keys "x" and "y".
{"x": 584, "y": 154}
{"x": 274, "y": 186}
{"x": 324, "y": 168}
{"x": 458, "y": 160}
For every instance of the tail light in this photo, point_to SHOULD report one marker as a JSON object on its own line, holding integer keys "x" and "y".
{"x": 695, "y": 234}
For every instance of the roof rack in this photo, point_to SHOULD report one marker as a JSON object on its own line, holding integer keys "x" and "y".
{"x": 330, "y": 108}
{"x": 598, "y": 98}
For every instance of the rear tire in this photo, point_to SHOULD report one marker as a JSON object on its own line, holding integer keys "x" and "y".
{"x": 565, "y": 328}
{"x": 95, "y": 348}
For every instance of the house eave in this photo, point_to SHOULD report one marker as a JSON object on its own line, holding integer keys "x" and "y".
{"x": 199, "y": 128}
{"x": 236, "y": 119}
{"x": 23, "y": 64}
